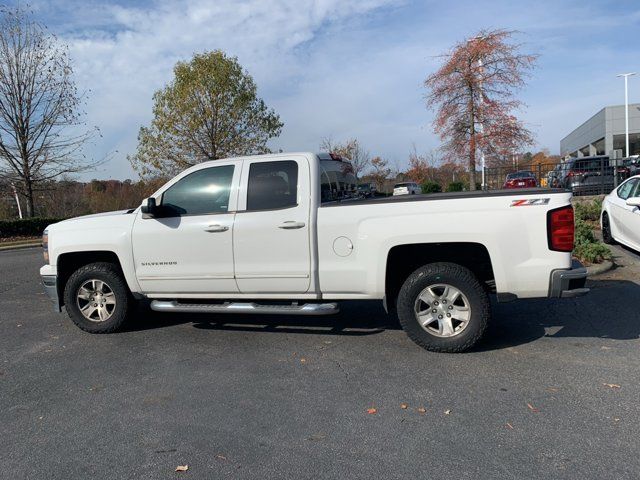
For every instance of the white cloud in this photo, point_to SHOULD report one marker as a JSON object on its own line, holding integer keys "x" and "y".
{"x": 336, "y": 67}
{"x": 130, "y": 51}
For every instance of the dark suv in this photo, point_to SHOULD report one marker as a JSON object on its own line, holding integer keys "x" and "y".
{"x": 632, "y": 164}
{"x": 587, "y": 175}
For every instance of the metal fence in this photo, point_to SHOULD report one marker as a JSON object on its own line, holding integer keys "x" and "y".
{"x": 584, "y": 176}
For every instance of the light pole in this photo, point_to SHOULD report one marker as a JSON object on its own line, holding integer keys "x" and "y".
{"x": 481, "y": 124}
{"x": 626, "y": 109}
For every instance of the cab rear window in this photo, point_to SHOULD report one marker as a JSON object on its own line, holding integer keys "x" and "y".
{"x": 337, "y": 181}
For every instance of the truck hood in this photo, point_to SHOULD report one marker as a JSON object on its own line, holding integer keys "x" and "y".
{"x": 95, "y": 215}
{"x": 97, "y": 220}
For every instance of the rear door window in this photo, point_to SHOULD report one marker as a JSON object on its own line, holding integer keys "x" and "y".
{"x": 272, "y": 185}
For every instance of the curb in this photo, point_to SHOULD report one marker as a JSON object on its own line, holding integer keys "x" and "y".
{"x": 599, "y": 268}
{"x": 20, "y": 246}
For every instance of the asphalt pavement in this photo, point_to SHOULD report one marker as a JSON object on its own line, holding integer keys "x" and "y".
{"x": 551, "y": 393}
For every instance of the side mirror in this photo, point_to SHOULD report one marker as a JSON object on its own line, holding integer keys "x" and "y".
{"x": 149, "y": 208}
{"x": 633, "y": 201}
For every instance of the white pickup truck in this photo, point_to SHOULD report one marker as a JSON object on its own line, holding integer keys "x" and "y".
{"x": 286, "y": 234}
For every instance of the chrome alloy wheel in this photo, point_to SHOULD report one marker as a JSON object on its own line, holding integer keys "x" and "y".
{"x": 96, "y": 300}
{"x": 442, "y": 310}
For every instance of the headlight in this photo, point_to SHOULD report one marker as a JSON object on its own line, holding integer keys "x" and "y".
{"x": 45, "y": 245}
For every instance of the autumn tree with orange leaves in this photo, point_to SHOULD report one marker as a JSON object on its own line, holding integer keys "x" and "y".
{"x": 473, "y": 94}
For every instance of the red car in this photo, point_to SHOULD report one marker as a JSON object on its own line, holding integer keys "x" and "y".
{"x": 523, "y": 179}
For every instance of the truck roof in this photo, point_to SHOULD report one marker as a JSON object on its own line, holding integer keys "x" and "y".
{"x": 277, "y": 156}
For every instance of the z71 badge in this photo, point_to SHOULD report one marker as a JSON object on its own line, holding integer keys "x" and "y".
{"x": 530, "y": 202}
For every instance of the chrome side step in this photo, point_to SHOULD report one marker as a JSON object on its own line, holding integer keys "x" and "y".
{"x": 238, "y": 307}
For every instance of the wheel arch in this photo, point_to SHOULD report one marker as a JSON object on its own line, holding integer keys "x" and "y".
{"x": 69, "y": 262}
{"x": 402, "y": 260}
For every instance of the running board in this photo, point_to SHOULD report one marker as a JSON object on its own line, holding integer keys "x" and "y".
{"x": 237, "y": 307}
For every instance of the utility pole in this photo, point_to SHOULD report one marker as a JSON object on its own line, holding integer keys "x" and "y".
{"x": 481, "y": 125}
{"x": 482, "y": 162}
{"x": 626, "y": 109}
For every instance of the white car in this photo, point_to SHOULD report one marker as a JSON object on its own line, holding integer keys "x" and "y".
{"x": 406, "y": 188}
{"x": 277, "y": 234}
{"x": 620, "y": 218}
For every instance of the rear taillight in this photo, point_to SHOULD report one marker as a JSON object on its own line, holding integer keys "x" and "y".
{"x": 560, "y": 229}
{"x": 45, "y": 246}
{"x": 575, "y": 173}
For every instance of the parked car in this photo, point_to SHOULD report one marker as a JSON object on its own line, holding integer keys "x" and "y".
{"x": 255, "y": 235}
{"x": 522, "y": 179}
{"x": 553, "y": 177}
{"x": 632, "y": 164}
{"x": 367, "y": 190}
{"x": 620, "y": 218}
{"x": 406, "y": 188}
{"x": 587, "y": 175}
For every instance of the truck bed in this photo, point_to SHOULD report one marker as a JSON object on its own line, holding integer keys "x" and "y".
{"x": 513, "y": 192}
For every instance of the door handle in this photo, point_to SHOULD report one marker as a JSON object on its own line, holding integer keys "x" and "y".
{"x": 291, "y": 225}
{"x": 216, "y": 228}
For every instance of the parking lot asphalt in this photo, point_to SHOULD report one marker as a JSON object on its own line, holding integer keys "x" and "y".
{"x": 551, "y": 393}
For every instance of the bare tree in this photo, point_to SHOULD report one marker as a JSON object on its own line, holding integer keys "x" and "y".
{"x": 40, "y": 120}
{"x": 422, "y": 168}
{"x": 473, "y": 93}
{"x": 380, "y": 172}
{"x": 352, "y": 150}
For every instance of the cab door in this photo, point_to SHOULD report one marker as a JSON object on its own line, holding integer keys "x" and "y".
{"x": 187, "y": 248}
{"x": 271, "y": 239}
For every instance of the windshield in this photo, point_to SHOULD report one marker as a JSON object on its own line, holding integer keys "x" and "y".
{"x": 511, "y": 176}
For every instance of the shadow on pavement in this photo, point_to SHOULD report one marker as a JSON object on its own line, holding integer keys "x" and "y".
{"x": 610, "y": 310}
{"x": 354, "y": 319}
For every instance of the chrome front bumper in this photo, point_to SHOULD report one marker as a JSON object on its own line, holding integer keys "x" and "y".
{"x": 568, "y": 283}
{"x": 50, "y": 285}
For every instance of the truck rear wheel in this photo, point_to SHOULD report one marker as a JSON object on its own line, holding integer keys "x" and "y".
{"x": 443, "y": 307}
{"x": 97, "y": 298}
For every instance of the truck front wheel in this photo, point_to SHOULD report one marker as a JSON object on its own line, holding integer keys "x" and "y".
{"x": 97, "y": 298}
{"x": 443, "y": 307}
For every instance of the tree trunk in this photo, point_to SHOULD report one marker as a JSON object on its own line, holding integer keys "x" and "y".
{"x": 472, "y": 165}
{"x": 28, "y": 193}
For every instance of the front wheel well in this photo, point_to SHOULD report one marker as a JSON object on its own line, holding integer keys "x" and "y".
{"x": 403, "y": 260}
{"x": 68, "y": 263}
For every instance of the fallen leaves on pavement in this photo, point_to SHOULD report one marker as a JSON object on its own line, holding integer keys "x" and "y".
{"x": 509, "y": 426}
{"x": 182, "y": 468}
{"x": 404, "y": 406}
{"x": 611, "y": 385}
{"x": 372, "y": 411}
{"x": 532, "y": 408}
{"x": 422, "y": 410}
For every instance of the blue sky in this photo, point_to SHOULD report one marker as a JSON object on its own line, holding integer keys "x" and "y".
{"x": 341, "y": 68}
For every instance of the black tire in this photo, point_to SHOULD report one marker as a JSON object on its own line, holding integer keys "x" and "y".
{"x": 606, "y": 230}
{"x": 111, "y": 276}
{"x": 463, "y": 280}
